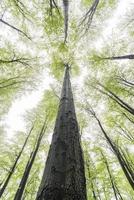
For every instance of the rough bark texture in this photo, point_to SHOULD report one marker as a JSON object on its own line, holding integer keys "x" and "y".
{"x": 64, "y": 177}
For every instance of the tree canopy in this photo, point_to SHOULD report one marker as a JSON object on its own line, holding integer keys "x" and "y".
{"x": 95, "y": 38}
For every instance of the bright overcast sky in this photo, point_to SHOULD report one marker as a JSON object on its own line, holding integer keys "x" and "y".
{"x": 14, "y": 120}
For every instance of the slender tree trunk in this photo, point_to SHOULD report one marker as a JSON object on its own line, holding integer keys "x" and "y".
{"x": 119, "y": 194}
{"x": 104, "y": 191}
{"x": 131, "y": 56}
{"x": 14, "y": 165}
{"x": 117, "y": 99}
{"x": 131, "y": 120}
{"x": 65, "y": 5}
{"x": 64, "y": 177}
{"x": 125, "y": 82}
{"x": 126, "y": 134}
{"x": 19, "y": 193}
{"x": 89, "y": 176}
{"x": 110, "y": 176}
{"x": 123, "y": 163}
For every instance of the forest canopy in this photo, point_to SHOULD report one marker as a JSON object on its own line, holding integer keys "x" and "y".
{"x": 39, "y": 40}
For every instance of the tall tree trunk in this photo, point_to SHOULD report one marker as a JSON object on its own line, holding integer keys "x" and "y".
{"x": 64, "y": 176}
{"x": 14, "y": 165}
{"x": 19, "y": 193}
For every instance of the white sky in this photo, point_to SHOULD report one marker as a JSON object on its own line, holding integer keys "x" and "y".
{"x": 112, "y": 24}
{"x": 14, "y": 120}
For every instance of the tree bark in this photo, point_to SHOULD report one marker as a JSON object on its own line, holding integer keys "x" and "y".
{"x": 64, "y": 176}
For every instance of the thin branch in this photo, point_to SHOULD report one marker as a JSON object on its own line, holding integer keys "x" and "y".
{"x": 88, "y": 17}
{"x": 16, "y": 29}
{"x": 21, "y": 8}
{"x": 23, "y": 61}
{"x": 130, "y": 56}
{"x": 125, "y": 81}
{"x": 9, "y": 79}
{"x": 53, "y": 4}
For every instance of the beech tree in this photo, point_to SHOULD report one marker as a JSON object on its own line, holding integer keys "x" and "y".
{"x": 93, "y": 39}
{"x": 64, "y": 176}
